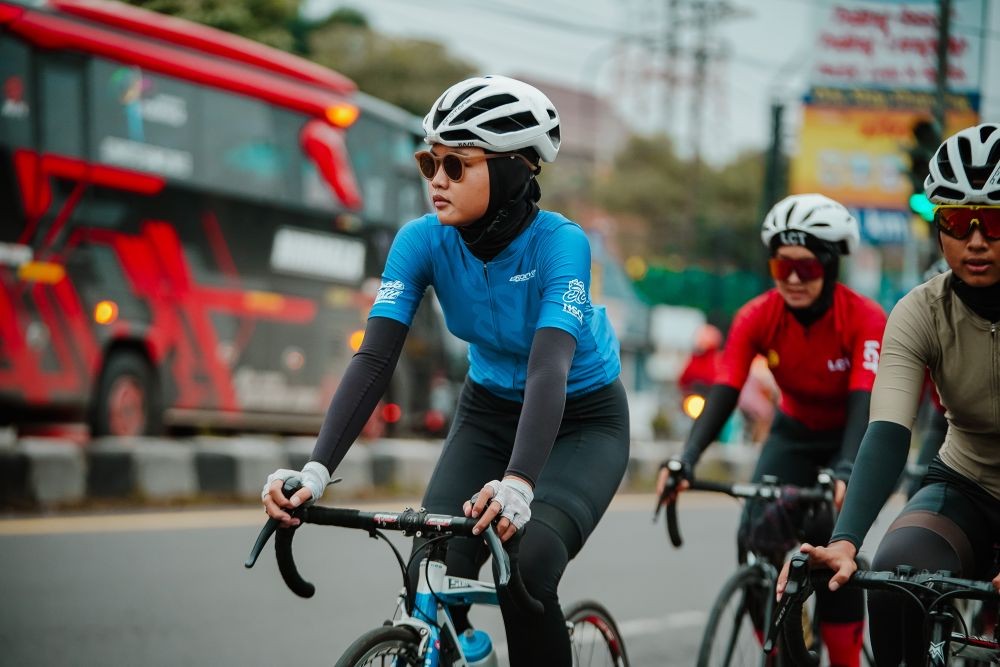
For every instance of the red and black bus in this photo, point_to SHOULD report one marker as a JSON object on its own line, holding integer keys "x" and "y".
{"x": 186, "y": 237}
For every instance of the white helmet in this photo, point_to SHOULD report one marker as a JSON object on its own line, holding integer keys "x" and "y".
{"x": 814, "y": 214}
{"x": 966, "y": 168}
{"x": 496, "y": 113}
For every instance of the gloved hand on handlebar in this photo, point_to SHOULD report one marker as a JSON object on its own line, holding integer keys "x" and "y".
{"x": 314, "y": 477}
{"x": 509, "y": 498}
{"x": 677, "y": 469}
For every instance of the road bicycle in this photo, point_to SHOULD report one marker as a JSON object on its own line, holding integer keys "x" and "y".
{"x": 743, "y": 607}
{"x": 423, "y": 633}
{"x": 950, "y": 636}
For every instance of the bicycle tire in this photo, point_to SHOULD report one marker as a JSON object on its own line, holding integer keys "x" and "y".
{"x": 594, "y": 635}
{"x": 387, "y": 645}
{"x": 733, "y": 625}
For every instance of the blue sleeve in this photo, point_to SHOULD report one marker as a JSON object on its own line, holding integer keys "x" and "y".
{"x": 566, "y": 281}
{"x": 406, "y": 275}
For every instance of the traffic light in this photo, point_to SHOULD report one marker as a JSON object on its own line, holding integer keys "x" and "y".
{"x": 927, "y": 137}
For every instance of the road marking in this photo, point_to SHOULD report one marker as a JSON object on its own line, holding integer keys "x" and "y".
{"x": 137, "y": 520}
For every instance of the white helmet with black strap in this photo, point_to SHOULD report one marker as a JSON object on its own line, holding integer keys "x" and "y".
{"x": 966, "y": 168}
{"x": 495, "y": 113}
{"x": 813, "y": 214}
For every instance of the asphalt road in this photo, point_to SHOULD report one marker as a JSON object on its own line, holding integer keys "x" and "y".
{"x": 169, "y": 588}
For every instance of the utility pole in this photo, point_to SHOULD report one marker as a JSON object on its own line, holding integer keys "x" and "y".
{"x": 944, "y": 37}
{"x": 774, "y": 186}
{"x": 672, "y": 52}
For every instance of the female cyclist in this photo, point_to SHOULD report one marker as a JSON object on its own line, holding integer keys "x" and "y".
{"x": 949, "y": 325}
{"x": 541, "y": 430}
{"x": 821, "y": 341}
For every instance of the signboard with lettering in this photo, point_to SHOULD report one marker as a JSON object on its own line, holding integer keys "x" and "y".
{"x": 857, "y": 156}
{"x": 893, "y": 44}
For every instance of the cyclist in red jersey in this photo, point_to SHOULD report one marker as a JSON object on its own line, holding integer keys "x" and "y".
{"x": 821, "y": 341}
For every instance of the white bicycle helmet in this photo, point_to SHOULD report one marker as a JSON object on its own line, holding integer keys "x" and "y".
{"x": 813, "y": 214}
{"x": 496, "y": 113}
{"x": 966, "y": 168}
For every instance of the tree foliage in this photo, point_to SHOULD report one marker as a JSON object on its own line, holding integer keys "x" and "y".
{"x": 267, "y": 21}
{"x": 410, "y": 73}
{"x": 706, "y": 215}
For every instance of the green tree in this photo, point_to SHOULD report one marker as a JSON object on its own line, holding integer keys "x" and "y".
{"x": 267, "y": 21}
{"x": 409, "y": 73}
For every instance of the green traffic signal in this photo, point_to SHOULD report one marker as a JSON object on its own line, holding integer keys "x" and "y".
{"x": 922, "y": 206}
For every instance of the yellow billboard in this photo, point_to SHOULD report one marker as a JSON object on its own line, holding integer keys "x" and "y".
{"x": 858, "y": 155}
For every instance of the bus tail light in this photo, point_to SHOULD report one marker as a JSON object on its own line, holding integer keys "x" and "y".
{"x": 48, "y": 273}
{"x": 391, "y": 413}
{"x": 355, "y": 339}
{"x": 342, "y": 115}
{"x": 105, "y": 312}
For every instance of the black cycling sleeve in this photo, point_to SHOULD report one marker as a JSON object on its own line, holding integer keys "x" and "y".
{"x": 719, "y": 404}
{"x": 364, "y": 382}
{"x": 858, "y": 403}
{"x": 549, "y": 361}
{"x": 881, "y": 459}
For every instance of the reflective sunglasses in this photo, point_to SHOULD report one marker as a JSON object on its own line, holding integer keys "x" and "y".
{"x": 455, "y": 163}
{"x": 958, "y": 221}
{"x": 805, "y": 269}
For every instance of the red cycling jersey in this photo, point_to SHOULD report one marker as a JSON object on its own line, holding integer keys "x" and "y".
{"x": 816, "y": 366}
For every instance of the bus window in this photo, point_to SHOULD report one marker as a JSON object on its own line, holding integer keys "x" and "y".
{"x": 16, "y": 95}
{"x": 143, "y": 121}
{"x": 63, "y": 117}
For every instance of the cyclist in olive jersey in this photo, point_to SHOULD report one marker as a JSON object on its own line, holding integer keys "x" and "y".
{"x": 951, "y": 326}
{"x": 541, "y": 430}
{"x": 821, "y": 341}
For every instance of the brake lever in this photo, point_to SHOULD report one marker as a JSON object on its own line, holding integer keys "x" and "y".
{"x": 288, "y": 489}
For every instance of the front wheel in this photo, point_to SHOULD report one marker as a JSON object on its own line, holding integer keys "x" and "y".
{"x": 733, "y": 633}
{"x": 396, "y": 646}
{"x": 594, "y": 635}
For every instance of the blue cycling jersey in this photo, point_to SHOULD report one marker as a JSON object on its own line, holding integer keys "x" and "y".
{"x": 542, "y": 279}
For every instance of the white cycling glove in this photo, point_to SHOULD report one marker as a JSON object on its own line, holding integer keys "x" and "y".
{"x": 314, "y": 476}
{"x": 515, "y": 498}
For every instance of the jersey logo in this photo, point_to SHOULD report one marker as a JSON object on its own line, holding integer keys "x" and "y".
{"x": 521, "y": 277}
{"x": 389, "y": 291}
{"x": 838, "y": 365}
{"x": 871, "y": 355}
{"x": 575, "y": 294}
{"x": 773, "y": 359}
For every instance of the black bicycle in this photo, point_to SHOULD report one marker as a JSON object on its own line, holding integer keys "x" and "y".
{"x": 743, "y": 607}
{"x": 423, "y": 632}
{"x": 951, "y": 634}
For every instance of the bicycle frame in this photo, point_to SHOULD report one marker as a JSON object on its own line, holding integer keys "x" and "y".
{"x": 437, "y": 592}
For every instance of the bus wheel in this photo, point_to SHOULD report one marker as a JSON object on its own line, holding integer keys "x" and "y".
{"x": 125, "y": 404}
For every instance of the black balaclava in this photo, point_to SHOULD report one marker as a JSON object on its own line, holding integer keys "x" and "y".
{"x": 513, "y": 193}
{"x": 828, "y": 254}
{"x": 983, "y": 301}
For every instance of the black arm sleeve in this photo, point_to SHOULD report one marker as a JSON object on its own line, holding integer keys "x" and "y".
{"x": 364, "y": 382}
{"x": 549, "y": 361}
{"x": 719, "y": 404}
{"x": 881, "y": 459}
{"x": 858, "y": 403}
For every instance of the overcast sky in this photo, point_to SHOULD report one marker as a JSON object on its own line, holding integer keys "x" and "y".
{"x": 580, "y": 43}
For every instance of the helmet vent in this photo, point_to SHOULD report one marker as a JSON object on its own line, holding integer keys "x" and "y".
{"x": 552, "y": 113}
{"x": 484, "y": 105}
{"x": 986, "y": 131}
{"x": 459, "y": 135}
{"x": 556, "y": 137}
{"x": 944, "y": 192}
{"x": 509, "y": 124}
{"x": 965, "y": 150}
{"x": 947, "y": 173}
